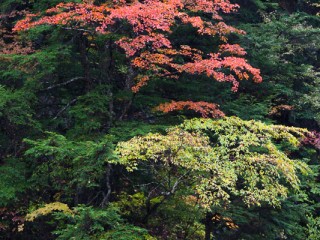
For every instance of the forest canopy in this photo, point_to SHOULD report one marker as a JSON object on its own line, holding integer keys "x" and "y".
{"x": 159, "y": 119}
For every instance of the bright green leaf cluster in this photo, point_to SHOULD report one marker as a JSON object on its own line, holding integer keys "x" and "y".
{"x": 224, "y": 158}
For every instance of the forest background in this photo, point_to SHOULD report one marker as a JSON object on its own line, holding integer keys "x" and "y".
{"x": 141, "y": 127}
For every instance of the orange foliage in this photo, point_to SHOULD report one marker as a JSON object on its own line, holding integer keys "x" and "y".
{"x": 204, "y": 108}
{"x": 232, "y": 49}
{"x": 147, "y": 44}
{"x": 279, "y": 109}
{"x": 228, "y": 222}
{"x": 142, "y": 80}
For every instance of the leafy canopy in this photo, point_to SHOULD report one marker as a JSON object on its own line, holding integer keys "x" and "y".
{"x": 145, "y": 31}
{"x": 223, "y": 159}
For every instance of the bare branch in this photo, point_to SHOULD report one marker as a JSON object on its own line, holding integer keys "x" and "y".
{"x": 63, "y": 84}
{"x": 78, "y": 29}
{"x": 63, "y": 109}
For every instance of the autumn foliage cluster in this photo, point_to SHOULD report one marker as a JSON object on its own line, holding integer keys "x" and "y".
{"x": 149, "y": 45}
{"x": 149, "y": 119}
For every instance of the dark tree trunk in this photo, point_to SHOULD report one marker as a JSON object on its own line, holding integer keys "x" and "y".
{"x": 85, "y": 62}
{"x": 208, "y": 226}
{"x": 107, "y": 193}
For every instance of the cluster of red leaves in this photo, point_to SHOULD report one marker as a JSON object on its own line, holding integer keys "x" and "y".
{"x": 313, "y": 139}
{"x": 142, "y": 80}
{"x": 232, "y": 49}
{"x": 132, "y": 46}
{"x": 158, "y": 62}
{"x": 148, "y": 45}
{"x": 278, "y": 110}
{"x": 204, "y": 108}
{"x": 81, "y": 15}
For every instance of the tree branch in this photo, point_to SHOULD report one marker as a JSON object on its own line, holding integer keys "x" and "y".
{"x": 63, "y": 109}
{"x": 63, "y": 84}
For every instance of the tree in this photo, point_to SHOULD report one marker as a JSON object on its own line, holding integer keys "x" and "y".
{"x": 223, "y": 162}
{"x": 86, "y": 223}
{"x": 71, "y": 169}
{"x": 79, "y": 77}
{"x": 146, "y": 31}
{"x": 288, "y": 79}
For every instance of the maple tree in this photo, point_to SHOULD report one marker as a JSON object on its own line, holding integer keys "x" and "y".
{"x": 221, "y": 162}
{"x": 149, "y": 46}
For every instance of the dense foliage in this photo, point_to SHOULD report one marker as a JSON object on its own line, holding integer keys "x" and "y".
{"x": 176, "y": 119}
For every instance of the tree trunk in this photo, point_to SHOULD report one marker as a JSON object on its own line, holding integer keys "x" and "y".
{"x": 85, "y": 62}
{"x": 106, "y": 195}
{"x": 208, "y": 226}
